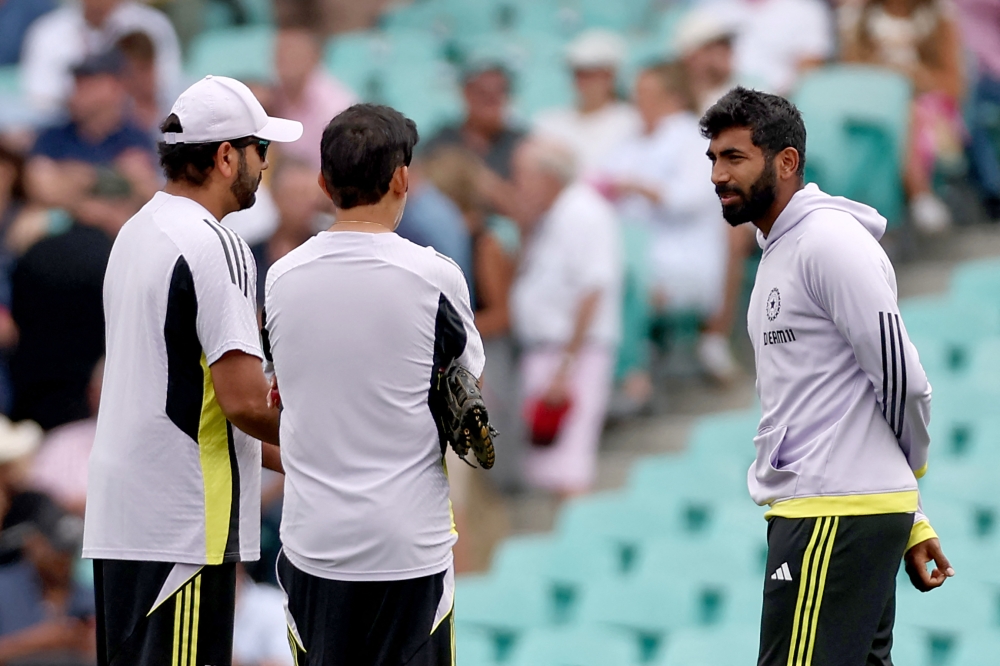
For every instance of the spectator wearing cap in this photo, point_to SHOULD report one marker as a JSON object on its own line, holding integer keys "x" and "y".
{"x": 16, "y": 16}
{"x": 600, "y": 120}
{"x": 705, "y": 44}
{"x": 305, "y": 92}
{"x": 660, "y": 180}
{"x": 65, "y": 37}
{"x": 99, "y": 165}
{"x": 778, "y": 40}
{"x": 565, "y": 305}
{"x": 45, "y": 615}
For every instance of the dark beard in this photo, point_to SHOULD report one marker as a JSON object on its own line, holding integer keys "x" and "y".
{"x": 754, "y": 205}
{"x": 244, "y": 188}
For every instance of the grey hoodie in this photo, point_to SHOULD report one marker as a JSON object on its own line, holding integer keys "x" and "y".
{"x": 845, "y": 401}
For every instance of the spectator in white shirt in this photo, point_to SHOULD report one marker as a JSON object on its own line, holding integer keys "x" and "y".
{"x": 599, "y": 121}
{"x": 780, "y": 39}
{"x": 65, "y": 37}
{"x": 658, "y": 181}
{"x": 566, "y": 309}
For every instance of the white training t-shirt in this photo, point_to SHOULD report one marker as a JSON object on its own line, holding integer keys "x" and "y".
{"x": 170, "y": 479}
{"x": 776, "y": 36}
{"x": 355, "y": 324}
{"x": 575, "y": 250}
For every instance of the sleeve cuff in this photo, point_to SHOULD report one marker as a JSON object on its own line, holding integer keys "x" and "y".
{"x": 922, "y": 531}
{"x": 919, "y": 473}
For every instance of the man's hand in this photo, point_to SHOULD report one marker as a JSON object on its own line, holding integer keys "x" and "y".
{"x": 919, "y": 556}
{"x": 273, "y": 396}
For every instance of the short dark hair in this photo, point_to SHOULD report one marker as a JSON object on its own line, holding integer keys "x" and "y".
{"x": 361, "y": 148}
{"x": 773, "y": 121}
{"x": 191, "y": 162}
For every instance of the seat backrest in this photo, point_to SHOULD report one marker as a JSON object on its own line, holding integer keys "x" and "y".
{"x": 857, "y": 121}
{"x": 245, "y": 53}
{"x": 577, "y": 646}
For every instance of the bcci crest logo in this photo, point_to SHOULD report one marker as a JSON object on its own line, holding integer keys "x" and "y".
{"x": 773, "y": 304}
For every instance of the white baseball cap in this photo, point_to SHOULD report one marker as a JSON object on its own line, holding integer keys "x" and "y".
{"x": 219, "y": 108}
{"x": 595, "y": 49}
{"x": 700, "y": 28}
{"x": 17, "y": 440}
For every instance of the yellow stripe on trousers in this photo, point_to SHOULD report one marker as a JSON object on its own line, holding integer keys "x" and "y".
{"x": 175, "y": 661}
{"x": 194, "y": 620}
{"x": 186, "y": 629}
{"x": 815, "y": 564}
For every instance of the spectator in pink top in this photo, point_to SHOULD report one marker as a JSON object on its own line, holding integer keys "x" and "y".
{"x": 979, "y": 21}
{"x": 305, "y": 92}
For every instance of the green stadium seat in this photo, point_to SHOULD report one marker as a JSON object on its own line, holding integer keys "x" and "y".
{"x": 359, "y": 59}
{"x": 646, "y": 610}
{"x": 245, "y": 53}
{"x": 617, "y": 519}
{"x": 948, "y": 319}
{"x": 726, "y": 435}
{"x": 961, "y": 604}
{"x": 713, "y": 562}
{"x": 738, "y": 604}
{"x": 566, "y": 563}
{"x": 857, "y": 122}
{"x": 911, "y": 647}
{"x": 723, "y": 646}
{"x": 963, "y": 438}
{"x": 574, "y": 646}
{"x": 503, "y": 607}
{"x": 623, "y": 17}
{"x": 695, "y": 483}
{"x": 979, "y": 648}
{"x": 474, "y": 647}
{"x": 977, "y": 281}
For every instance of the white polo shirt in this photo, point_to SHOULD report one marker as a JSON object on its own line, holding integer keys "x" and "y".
{"x": 575, "y": 250}
{"x": 355, "y": 324}
{"x": 170, "y": 479}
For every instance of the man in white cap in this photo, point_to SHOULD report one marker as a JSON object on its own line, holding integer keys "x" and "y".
{"x": 600, "y": 121}
{"x": 174, "y": 496}
{"x": 704, "y": 41}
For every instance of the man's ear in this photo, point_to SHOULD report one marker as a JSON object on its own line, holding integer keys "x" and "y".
{"x": 322, "y": 186}
{"x": 787, "y": 163}
{"x": 227, "y": 162}
{"x": 400, "y": 183}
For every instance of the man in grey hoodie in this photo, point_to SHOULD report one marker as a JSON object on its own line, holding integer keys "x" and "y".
{"x": 843, "y": 435}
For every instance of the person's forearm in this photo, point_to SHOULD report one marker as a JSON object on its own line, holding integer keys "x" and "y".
{"x": 584, "y": 317}
{"x": 271, "y": 457}
{"x": 492, "y": 322}
{"x": 59, "y": 634}
{"x": 258, "y": 421}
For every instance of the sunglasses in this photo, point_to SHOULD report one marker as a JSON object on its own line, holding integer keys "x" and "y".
{"x": 260, "y": 144}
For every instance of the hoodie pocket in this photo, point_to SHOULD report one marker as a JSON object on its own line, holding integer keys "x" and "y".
{"x": 767, "y": 480}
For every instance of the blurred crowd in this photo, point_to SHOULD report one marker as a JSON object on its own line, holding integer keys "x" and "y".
{"x": 591, "y": 236}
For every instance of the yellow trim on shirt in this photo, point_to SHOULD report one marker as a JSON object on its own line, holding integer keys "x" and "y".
{"x": 845, "y": 505}
{"x": 217, "y": 474}
{"x": 920, "y": 472}
{"x": 921, "y": 531}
